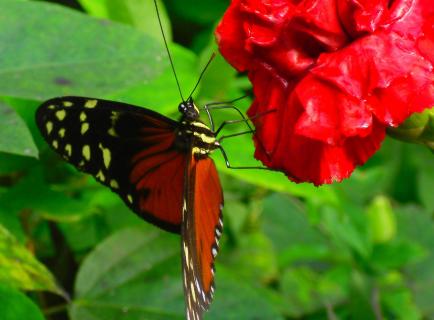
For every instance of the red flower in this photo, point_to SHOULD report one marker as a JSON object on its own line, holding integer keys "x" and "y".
{"x": 337, "y": 72}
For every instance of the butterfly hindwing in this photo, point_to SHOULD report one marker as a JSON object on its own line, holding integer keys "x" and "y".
{"x": 201, "y": 230}
{"x": 127, "y": 148}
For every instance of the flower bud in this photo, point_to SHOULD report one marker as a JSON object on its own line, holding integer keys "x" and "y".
{"x": 419, "y": 128}
{"x": 382, "y": 222}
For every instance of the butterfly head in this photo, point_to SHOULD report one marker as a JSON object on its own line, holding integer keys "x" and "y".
{"x": 189, "y": 110}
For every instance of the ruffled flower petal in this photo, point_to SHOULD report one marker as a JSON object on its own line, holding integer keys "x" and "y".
{"x": 329, "y": 77}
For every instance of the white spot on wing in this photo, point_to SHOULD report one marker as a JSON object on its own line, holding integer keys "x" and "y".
{"x": 106, "y": 155}
{"x": 90, "y": 104}
{"x": 112, "y": 132}
{"x": 186, "y": 254}
{"x": 86, "y": 152}
{"x": 100, "y": 176}
{"x": 193, "y": 293}
{"x": 60, "y": 115}
{"x": 84, "y": 127}
{"x": 49, "y": 127}
{"x": 185, "y": 279}
{"x": 114, "y": 184}
{"x": 62, "y": 133}
{"x": 68, "y": 150}
{"x": 83, "y": 116}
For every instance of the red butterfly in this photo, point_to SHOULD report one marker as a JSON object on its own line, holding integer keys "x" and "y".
{"x": 159, "y": 167}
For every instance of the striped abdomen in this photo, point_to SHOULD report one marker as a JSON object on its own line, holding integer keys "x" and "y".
{"x": 197, "y": 136}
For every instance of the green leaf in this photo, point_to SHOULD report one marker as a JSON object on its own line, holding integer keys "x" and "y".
{"x": 396, "y": 255}
{"x": 202, "y": 12}
{"x": 11, "y": 164}
{"x": 425, "y": 177}
{"x": 15, "y": 137}
{"x": 348, "y": 230}
{"x": 235, "y": 299}
{"x": 20, "y": 269}
{"x": 162, "y": 93}
{"x": 401, "y": 304}
{"x": 111, "y": 214}
{"x": 359, "y": 305}
{"x": 97, "y": 8}
{"x": 365, "y": 183}
{"x": 138, "y": 13}
{"x": 142, "y": 15}
{"x": 17, "y": 306}
{"x": 418, "y": 227}
{"x": 220, "y": 82}
{"x": 254, "y": 258}
{"x": 285, "y": 222}
{"x": 63, "y": 56}
{"x": 134, "y": 273}
{"x": 48, "y": 203}
{"x": 236, "y": 213}
{"x": 307, "y": 291}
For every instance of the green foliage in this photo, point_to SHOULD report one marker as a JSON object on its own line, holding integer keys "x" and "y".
{"x": 128, "y": 274}
{"x": 57, "y": 54}
{"x": 16, "y": 306}
{"x": 16, "y": 138}
{"x": 361, "y": 249}
{"x": 130, "y": 12}
{"x": 20, "y": 269}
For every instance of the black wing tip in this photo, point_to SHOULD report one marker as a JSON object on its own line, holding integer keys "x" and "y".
{"x": 43, "y": 107}
{"x": 149, "y": 217}
{"x": 169, "y": 227}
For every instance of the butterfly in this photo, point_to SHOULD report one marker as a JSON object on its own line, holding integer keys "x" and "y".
{"x": 159, "y": 167}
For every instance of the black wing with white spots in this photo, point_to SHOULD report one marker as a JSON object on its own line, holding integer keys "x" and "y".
{"x": 127, "y": 148}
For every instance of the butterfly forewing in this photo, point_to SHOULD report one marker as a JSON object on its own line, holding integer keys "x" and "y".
{"x": 201, "y": 230}
{"x": 127, "y": 148}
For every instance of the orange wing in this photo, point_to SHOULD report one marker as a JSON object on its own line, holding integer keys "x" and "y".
{"x": 201, "y": 230}
{"x": 127, "y": 148}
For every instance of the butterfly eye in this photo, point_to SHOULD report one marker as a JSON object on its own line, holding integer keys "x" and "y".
{"x": 182, "y": 107}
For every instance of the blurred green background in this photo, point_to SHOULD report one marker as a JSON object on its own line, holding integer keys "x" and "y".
{"x": 70, "y": 249}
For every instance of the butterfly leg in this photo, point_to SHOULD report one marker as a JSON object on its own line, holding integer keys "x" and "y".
{"x": 235, "y": 135}
{"x": 228, "y": 164}
{"x": 224, "y": 105}
{"x": 242, "y": 120}
{"x": 226, "y": 122}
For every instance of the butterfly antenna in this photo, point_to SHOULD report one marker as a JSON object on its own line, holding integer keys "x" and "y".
{"x": 168, "y": 51}
{"x": 202, "y": 73}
